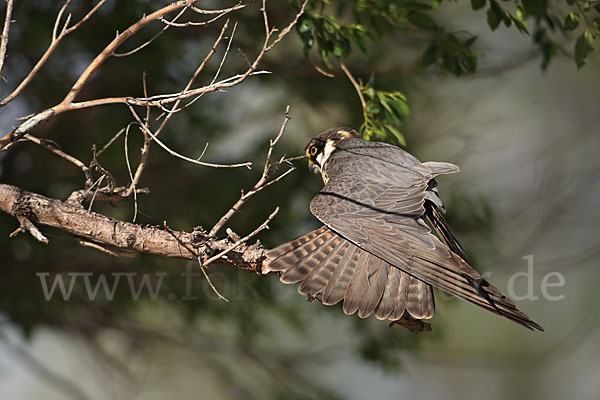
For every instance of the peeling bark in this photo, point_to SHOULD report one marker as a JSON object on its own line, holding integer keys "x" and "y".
{"x": 105, "y": 231}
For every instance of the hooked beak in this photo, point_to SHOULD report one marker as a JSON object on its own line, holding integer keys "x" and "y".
{"x": 313, "y": 167}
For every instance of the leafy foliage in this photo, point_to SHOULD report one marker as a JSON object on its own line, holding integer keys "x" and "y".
{"x": 549, "y": 19}
{"x": 450, "y": 51}
{"x": 451, "y": 54}
{"x": 330, "y": 36}
{"x": 384, "y": 114}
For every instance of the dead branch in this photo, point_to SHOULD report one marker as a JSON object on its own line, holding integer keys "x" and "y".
{"x": 117, "y": 41}
{"x": 146, "y": 147}
{"x": 4, "y": 41}
{"x": 27, "y": 226}
{"x": 123, "y": 236}
{"x": 68, "y": 104}
{"x": 56, "y": 39}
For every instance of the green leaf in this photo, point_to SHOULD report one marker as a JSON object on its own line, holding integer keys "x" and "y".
{"x": 373, "y": 108}
{"x": 401, "y": 108}
{"x": 477, "y": 4}
{"x": 492, "y": 19}
{"x": 519, "y": 21}
{"x": 469, "y": 42}
{"x": 397, "y": 134}
{"x": 430, "y": 56}
{"x": 571, "y": 21}
{"x": 422, "y": 21}
{"x": 337, "y": 50}
{"x": 583, "y": 47}
{"x": 383, "y": 102}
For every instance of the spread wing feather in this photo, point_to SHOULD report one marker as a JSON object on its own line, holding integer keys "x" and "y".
{"x": 375, "y": 198}
{"x": 333, "y": 269}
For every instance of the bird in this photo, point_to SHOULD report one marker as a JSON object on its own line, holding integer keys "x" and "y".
{"x": 384, "y": 243}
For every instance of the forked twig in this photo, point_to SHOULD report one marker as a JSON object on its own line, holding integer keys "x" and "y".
{"x": 56, "y": 39}
{"x": 68, "y": 103}
{"x": 152, "y": 39}
{"x": 263, "y": 226}
{"x": 25, "y": 225}
{"x": 53, "y": 147}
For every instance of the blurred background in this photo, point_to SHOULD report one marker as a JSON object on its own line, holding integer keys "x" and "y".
{"x": 525, "y": 206}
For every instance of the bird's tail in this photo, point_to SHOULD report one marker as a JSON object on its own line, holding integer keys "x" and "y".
{"x": 331, "y": 269}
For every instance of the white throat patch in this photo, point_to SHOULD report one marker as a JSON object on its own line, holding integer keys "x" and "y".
{"x": 324, "y": 156}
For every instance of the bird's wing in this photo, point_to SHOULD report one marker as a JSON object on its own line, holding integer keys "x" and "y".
{"x": 375, "y": 198}
{"x": 331, "y": 269}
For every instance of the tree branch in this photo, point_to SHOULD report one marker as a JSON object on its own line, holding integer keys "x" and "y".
{"x": 108, "y": 232}
{"x": 56, "y": 39}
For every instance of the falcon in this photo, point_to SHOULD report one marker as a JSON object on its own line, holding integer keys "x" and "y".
{"x": 384, "y": 243}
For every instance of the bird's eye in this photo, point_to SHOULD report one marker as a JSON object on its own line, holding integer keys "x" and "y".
{"x": 313, "y": 151}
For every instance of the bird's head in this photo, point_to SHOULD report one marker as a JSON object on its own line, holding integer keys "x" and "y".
{"x": 320, "y": 148}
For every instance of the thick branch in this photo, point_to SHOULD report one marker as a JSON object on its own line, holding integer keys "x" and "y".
{"x": 105, "y": 231}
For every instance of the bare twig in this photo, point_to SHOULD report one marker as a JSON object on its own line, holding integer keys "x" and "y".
{"x": 220, "y": 14}
{"x": 111, "y": 141}
{"x": 58, "y": 19}
{"x": 214, "y": 289}
{"x": 96, "y": 165}
{"x": 212, "y": 51}
{"x": 84, "y": 19}
{"x": 154, "y": 101}
{"x": 117, "y": 41}
{"x": 262, "y": 183}
{"x": 138, "y": 48}
{"x": 67, "y": 104}
{"x": 56, "y": 39}
{"x": 288, "y": 28}
{"x": 25, "y": 225}
{"x": 225, "y": 54}
{"x": 53, "y": 147}
{"x": 213, "y": 12}
{"x": 204, "y": 264}
{"x": 4, "y": 41}
{"x": 104, "y": 249}
{"x": 175, "y": 154}
{"x": 97, "y": 185}
{"x": 133, "y": 184}
{"x": 356, "y": 86}
{"x": 263, "y": 226}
